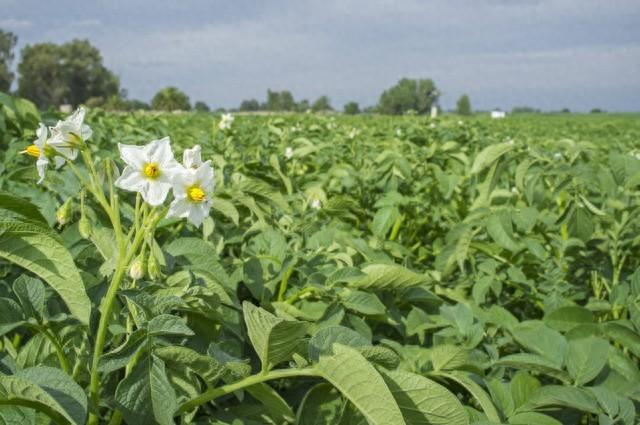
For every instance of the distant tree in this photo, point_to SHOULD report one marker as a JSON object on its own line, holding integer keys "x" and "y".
{"x": 322, "y": 104}
{"x": 566, "y": 111}
{"x": 303, "y": 105}
{"x": 524, "y": 110}
{"x": 73, "y": 72}
{"x": 249, "y": 105}
{"x": 201, "y": 106}
{"x": 135, "y": 104}
{"x": 280, "y": 101}
{"x": 170, "y": 99}
{"x": 8, "y": 42}
{"x": 596, "y": 111}
{"x": 352, "y": 108}
{"x": 463, "y": 105}
{"x": 408, "y": 94}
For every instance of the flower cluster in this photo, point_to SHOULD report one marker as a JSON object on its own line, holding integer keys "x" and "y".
{"x": 59, "y": 143}
{"x": 151, "y": 170}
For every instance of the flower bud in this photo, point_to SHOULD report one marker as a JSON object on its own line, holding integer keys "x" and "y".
{"x": 84, "y": 226}
{"x": 153, "y": 268}
{"x": 64, "y": 213}
{"x": 136, "y": 270}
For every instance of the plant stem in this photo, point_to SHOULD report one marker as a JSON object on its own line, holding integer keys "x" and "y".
{"x": 62, "y": 357}
{"x": 214, "y": 393}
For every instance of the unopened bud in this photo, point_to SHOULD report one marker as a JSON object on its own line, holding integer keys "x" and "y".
{"x": 63, "y": 215}
{"x": 84, "y": 226}
{"x": 136, "y": 270}
{"x": 153, "y": 268}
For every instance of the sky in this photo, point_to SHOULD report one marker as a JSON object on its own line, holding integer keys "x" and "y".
{"x": 548, "y": 54}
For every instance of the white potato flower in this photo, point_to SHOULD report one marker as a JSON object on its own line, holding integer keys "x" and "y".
{"x": 288, "y": 152}
{"x": 192, "y": 191}
{"x": 316, "y": 204}
{"x": 149, "y": 170}
{"x": 68, "y": 135}
{"x": 43, "y": 151}
{"x": 226, "y": 121}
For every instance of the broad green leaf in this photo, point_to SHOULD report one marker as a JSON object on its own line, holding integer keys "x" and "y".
{"x": 489, "y": 155}
{"x": 363, "y": 302}
{"x": 448, "y": 357}
{"x": 167, "y": 324}
{"x": 388, "y": 277}
{"x": 273, "y": 338}
{"x": 31, "y": 294}
{"x": 541, "y": 339}
{"x": 384, "y": 220}
{"x": 564, "y": 319}
{"x": 623, "y": 335}
{"x": 11, "y": 315}
{"x": 423, "y": 401}
{"x": 358, "y": 380}
{"x": 207, "y": 367}
{"x": 275, "y": 404}
{"x": 533, "y": 418}
{"x": 323, "y": 340}
{"x": 122, "y": 355}
{"x": 534, "y": 363}
{"x": 478, "y": 393}
{"x": 146, "y": 396}
{"x": 322, "y": 405}
{"x": 501, "y": 232}
{"x": 47, "y": 390}
{"x": 585, "y": 358}
{"x": 38, "y": 249}
{"x": 556, "y": 395}
{"x": 226, "y": 208}
{"x": 522, "y": 387}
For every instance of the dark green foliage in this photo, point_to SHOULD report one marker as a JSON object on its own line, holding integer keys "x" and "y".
{"x": 170, "y": 99}
{"x": 408, "y": 95}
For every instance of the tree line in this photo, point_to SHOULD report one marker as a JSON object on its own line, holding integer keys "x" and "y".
{"x": 73, "y": 73}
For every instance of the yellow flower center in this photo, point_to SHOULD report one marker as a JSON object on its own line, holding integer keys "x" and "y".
{"x": 151, "y": 170}
{"x": 32, "y": 150}
{"x": 196, "y": 194}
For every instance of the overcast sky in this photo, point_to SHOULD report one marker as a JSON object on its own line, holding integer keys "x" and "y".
{"x": 548, "y": 54}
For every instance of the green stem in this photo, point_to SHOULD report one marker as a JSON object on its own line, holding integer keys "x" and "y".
{"x": 62, "y": 357}
{"x": 214, "y": 393}
{"x": 283, "y": 283}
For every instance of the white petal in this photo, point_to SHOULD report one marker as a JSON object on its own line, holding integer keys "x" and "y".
{"x": 77, "y": 117}
{"x": 204, "y": 174}
{"x": 85, "y": 132}
{"x": 59, "y": 161}
{"x": 41, "y": 166}
{"x": 179, "y": 208}
{"x": 197, "y": 214}
{"x": 42, "y": 134}
{"x": 133, "y": 155}
{"x": 191, "y": 158}
{"x": 156, "y": 192}
{"x": 159, "y": 151}
{"x": 131, "y": 179}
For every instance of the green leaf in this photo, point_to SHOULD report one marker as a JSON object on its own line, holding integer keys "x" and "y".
{"x": 363, "y": 302}
{"x": 522, "y": 387}
{"x": 207, "y": 367}
{"x": 11, "y": 315}
{"x": 564, "y": 319}
{"x": 37, "y": 248}
{"x": 47, "y": 390}
{"x": 323, "y": 340}
{"x": 476, "y": 391}
{"x": 279, "y": 409}
{"x": 624, "y": 336}
{"x": 322, "y": 405}
{"x": 500, "y": 230}
{"x": 541, "y": 339}
{"x": 273, "y": 338}
{"x": 226, "y": 208}
{"x": 167, "y": 324}
{"x": 556, "y": 395}
{"x": 359, "y": 381}
{"x": 585, "y": 358}
{"x": 533, "y": 418}
{"x": 448, "y": 357}
{"x": 122, "y": 355}
{"x": 384, "y": 220}
{"x": 489, "y": 155}
{"x": 388, "y": 277}
{"x": 535, "y": 363}
{"x": 423, "y": 401}
{"x": 31, "y": 294}
{"x": 146, "y": 396}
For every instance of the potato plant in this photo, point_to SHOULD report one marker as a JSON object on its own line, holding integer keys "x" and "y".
{"x": 308, "y": 269}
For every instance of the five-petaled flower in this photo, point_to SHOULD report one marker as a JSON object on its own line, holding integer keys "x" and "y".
{"x": 43, "y": 151}
{"x": 69, "y": 135}
{"x": 149, "y": 170}
{"x": 226, "y": 121}
{"x": 192, "y": 188}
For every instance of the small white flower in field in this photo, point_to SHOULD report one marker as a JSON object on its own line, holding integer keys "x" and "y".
{"x": 514, "y": 189}
{"x": 226, "y": 121}
{"x": 353, "y": 133}
{"x": 432, "y": 125}
{"x": 316, "y": 204}
{"x": 191, "y": 158}
{"x": 398, "y": 132}
{"x": 288, "y": 152}
{"x": 149, "y": 170}
{"x": 69, "y": 135}
{"x": 557, "y": 155}
{"x": 510, "y": 141}
{"x": 193, "y": 190}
